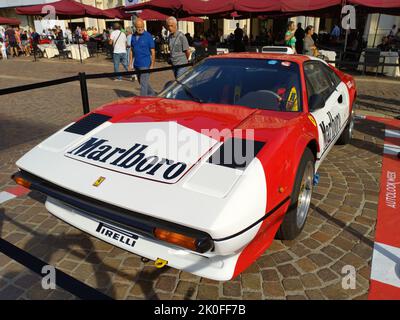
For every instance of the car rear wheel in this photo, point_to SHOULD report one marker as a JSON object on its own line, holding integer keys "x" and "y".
{"x": 347, "y": 132}
{"x": 296, "y": 216}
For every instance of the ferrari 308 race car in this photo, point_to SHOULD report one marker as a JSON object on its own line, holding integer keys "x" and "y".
{"x": 204, "y": 176}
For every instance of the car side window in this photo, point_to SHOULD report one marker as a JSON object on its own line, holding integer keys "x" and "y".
{"x": 317, "y": 80}
{"x": 332, "y": 76}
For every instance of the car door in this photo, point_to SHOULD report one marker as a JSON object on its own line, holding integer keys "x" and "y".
{"x": 331, "y": 112}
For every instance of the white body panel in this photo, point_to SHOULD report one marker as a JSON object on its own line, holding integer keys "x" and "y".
{"x": 219, "y": 201}
{"x": 215, "y": 267}
{"x": 332, "y": 119}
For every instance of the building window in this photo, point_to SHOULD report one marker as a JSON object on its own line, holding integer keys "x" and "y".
{"x": 232, "y": 24}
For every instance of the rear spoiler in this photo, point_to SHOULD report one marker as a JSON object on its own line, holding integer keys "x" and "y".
{"x": 273, "y": 49}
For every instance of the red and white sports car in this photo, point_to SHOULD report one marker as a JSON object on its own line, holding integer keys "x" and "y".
{"x": 205, "y": 175}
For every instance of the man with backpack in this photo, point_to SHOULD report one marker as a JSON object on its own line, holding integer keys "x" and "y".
{"x": 118, "y": 41}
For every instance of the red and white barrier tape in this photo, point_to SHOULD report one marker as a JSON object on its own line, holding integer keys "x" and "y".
{"x": 385, "y": 269}
{"x": 12, "y": 193}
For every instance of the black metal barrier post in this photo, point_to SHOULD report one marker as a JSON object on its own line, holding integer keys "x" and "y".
{"x": 84, "y": 92}
{"x": 82, "y": 77}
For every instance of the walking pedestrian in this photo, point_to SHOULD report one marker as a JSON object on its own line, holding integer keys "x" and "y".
{"x": 178, "y": 47}
{"x": 238, "y": 42}
{"x": 299, "y": 35}
{"x": 118, "y": 42}
{"x": 143, "y": 47}
{"x": 12, "y": 41}
{"x": 3, "y": 49}
{"x": 25, "y": 43}
{"x": 35, "y": 42}
{"x": 290, "y": 39}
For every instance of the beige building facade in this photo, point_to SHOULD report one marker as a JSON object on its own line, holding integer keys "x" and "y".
{"x": 375, "y": 26}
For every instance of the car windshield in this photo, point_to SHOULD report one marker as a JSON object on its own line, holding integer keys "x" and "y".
{"x": 256, "y": 83}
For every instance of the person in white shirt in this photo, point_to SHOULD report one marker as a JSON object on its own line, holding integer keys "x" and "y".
{"x": 118, "y": 41}
{"x": 2, "y": 35}
{"x": 3, "y": 49}
{"x": 392, "y": 32}
{"x": 68, "y": 34}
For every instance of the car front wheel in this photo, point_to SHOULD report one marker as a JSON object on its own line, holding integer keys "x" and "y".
{"x": 296, "y": 216}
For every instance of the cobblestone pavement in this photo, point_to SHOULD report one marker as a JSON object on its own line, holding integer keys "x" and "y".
{"x": 339, "y": 230}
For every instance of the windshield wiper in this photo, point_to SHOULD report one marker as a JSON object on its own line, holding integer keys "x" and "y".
{"x": 189, "y": 92}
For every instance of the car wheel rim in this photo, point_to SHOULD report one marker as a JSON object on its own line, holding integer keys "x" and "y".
{"x": 351, "y": 127}
{"x": 304, "y": 199}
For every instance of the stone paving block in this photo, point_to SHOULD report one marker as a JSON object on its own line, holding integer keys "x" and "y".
{"x": 232, "y": 289}
{"x": 292, "y": 284}
{"x": 288, "y": 270}
{"x": 319, "y": 259}
{"x": 207, "y": 292}
{"x": 307, "y": 265}
{"x": 270, "y": 275}
{"x": 166, "y": 283}
{"x": 251, "y": 281}
{"x": 188, "y": 289}
{"x": 310, "y": 280}
{"x": 273, "y": 289}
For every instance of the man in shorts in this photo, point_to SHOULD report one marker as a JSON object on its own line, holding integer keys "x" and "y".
{"x": 12, "y": 41}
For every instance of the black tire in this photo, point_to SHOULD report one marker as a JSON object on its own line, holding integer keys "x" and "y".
{"x": 347, "y": 133}
{"x": 290, "y": 228}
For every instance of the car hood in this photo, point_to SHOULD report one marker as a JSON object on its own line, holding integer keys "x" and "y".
{"x": 168, "y": 136}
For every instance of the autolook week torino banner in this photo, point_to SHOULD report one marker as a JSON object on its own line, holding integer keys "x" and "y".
{"x": 385, "y": 271}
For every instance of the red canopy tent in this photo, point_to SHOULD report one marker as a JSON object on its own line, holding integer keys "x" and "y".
{"x": 67, "y": 9}
{"x": 10, "y": 21}
{"x": 182, "y": 8}
{"x": 391, "y": 7}
{"x": 119, "y": 13}
{"x": 154, "y": 15}
{"x": 248, "y": 8}
{"x": 377, "y": 3}
{"x": 147, "y": 14}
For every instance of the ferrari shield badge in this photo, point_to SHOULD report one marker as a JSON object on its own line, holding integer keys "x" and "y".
{"x": 99, "y": 181}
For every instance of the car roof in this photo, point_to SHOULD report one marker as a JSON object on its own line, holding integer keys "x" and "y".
{"x": 297, "y": 58}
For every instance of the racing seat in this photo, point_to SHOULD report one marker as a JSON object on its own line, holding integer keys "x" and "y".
{"x": 263, "y": 99}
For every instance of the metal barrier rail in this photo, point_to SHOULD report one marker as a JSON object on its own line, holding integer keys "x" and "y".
{"x": 82, "y": 77}
{"x": 357, "y": 63}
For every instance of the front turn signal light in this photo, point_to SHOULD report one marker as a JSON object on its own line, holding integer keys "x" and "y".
{"x": 176, "y": 238}
{"x": 22, "y": 181}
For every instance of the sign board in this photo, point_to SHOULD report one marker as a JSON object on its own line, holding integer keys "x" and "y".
{"x": 46, "y": 24}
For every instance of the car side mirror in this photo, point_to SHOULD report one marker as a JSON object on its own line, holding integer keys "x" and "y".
{"x": 316, "y": 102}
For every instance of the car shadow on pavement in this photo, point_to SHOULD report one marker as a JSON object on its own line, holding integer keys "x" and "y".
{"x": 45, "y": 246}
{"x": 124, "y": 93}
{"x": 15, "y": 132}
{"x": 366, "y": 145}
{"x": 371, "y": 102}
{"x": 370, "y": 128}
{"x": 342, "y": 225}
{"x": 358, "y": 235}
